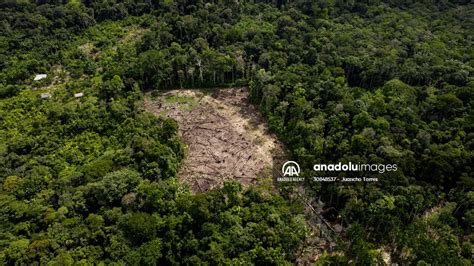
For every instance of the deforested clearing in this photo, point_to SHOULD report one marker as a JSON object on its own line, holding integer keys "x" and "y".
{"x": 226, "y": 137}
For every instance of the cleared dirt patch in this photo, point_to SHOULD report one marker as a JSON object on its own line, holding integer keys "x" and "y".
{"x": 225, "y": 135}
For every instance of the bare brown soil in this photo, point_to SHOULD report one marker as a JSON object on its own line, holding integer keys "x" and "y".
{"x": 226, "y": 136}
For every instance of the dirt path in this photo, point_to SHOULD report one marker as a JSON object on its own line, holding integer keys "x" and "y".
{"x": 226, "y": 137}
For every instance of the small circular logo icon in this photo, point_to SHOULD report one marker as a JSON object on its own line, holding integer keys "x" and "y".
{"x": 290, "y": 168}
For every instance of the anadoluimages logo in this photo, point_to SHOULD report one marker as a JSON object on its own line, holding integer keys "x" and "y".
{"x": 290, "y": 168}
{"x": 289, "y": 171}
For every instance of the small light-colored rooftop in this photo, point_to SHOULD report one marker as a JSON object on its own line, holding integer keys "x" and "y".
{"x": 45, "y": 95}
{"x": 40, "y": 77}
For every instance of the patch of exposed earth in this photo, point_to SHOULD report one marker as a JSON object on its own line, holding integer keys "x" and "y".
{"x": 225, "y": 135}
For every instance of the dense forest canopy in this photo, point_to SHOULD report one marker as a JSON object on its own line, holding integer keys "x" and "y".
{"x": 93, "y": 179}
